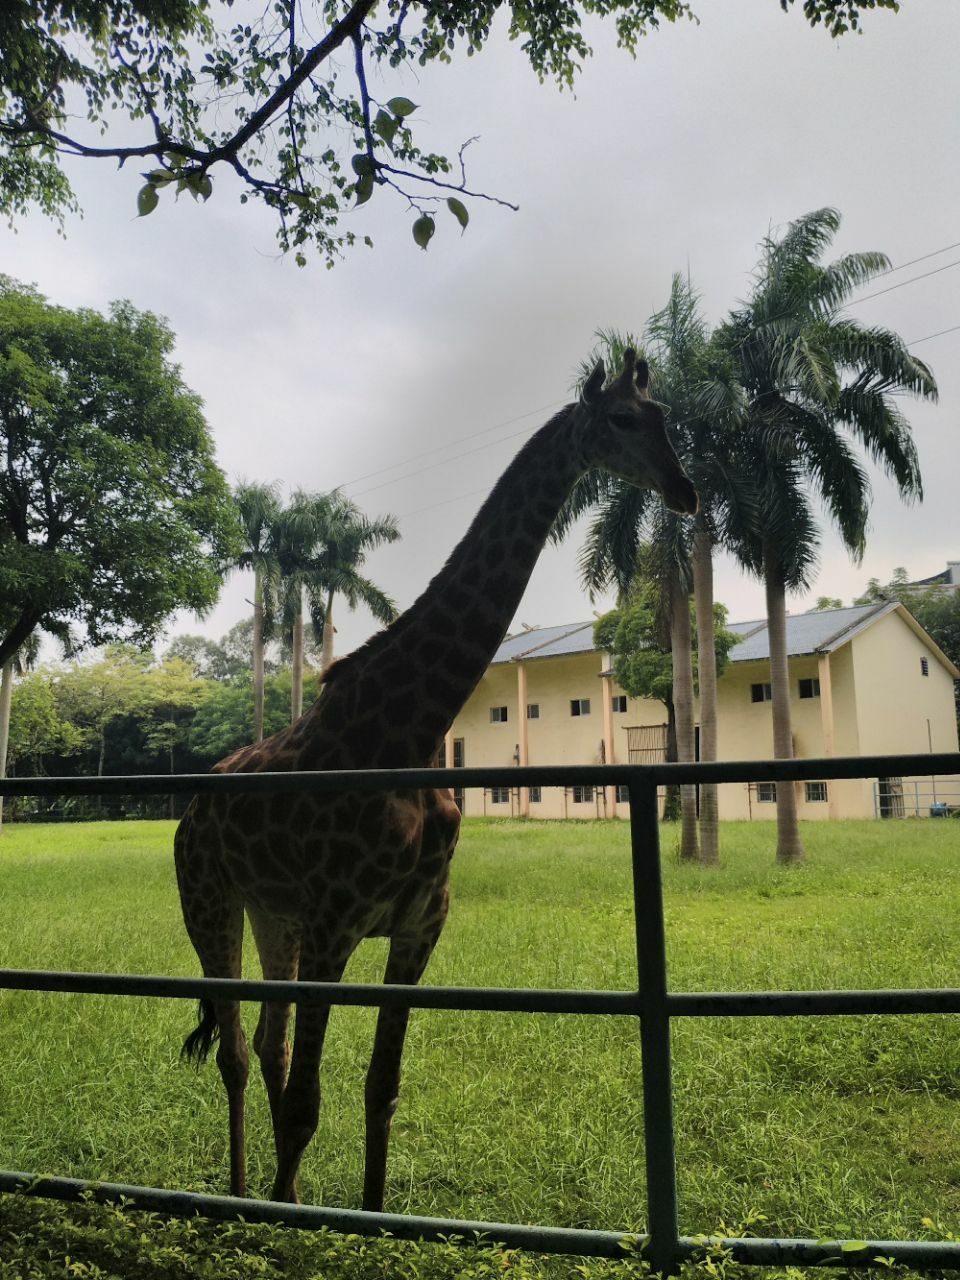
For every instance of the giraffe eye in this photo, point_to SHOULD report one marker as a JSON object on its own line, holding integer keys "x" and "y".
{"x": 623, "y": 421}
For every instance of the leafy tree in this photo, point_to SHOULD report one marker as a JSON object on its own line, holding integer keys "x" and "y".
{"x": 94, "y": 694}
{"x": 171, "y": 695}
{"x": 197, "y": 89}
{"x": 817, "y": 384}
{"x": 827, "y": 602}
{"x": 224, "y": 719}
{"x": 113, "y": 513}
{"x": 37, "y": 728}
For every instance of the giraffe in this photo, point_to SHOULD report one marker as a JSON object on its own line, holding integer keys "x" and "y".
{"x": 317, "y": 874}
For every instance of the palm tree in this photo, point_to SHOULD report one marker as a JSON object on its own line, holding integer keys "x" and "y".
{"x": 631, "y": 533}
{"x": 816, "y": 383}
{"x": 320, "y": 545}
{"x": 696, "y": 380}
{"x": 258, "y": 507}
{"x": 347, "y": 537}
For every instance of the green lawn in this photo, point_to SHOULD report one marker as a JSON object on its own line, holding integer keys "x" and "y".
{"x": 824, "y": 1126}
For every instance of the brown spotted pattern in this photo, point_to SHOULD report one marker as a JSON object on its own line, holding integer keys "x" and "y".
{"x": 317, "y": 875}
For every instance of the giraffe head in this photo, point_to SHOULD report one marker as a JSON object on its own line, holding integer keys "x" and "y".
{"x": 624, "y": 433}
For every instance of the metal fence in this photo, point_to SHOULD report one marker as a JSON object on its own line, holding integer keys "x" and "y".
{"x": 652, "y": 1003}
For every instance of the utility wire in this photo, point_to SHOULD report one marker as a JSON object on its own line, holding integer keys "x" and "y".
{"x": 472, "y": 435}
{"x": 903, "y": 283}
{"x": 939, "y": 334}
{"x": 913, "y": 261}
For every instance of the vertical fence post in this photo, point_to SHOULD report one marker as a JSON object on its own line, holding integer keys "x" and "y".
{"x": 663, "y": 1249}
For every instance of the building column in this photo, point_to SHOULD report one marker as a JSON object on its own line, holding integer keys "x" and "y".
{"x": 829, "y": 733}
{"x": 609, "y": 754}
{"x": 523, "y": 746}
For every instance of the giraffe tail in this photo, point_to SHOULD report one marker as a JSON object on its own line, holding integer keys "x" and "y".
{"x": 199, "y": 1042}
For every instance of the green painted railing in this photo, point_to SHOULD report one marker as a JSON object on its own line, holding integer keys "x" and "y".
{"x": 652, "y": 1003}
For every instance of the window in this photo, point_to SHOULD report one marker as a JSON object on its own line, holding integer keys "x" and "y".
{"x": 498, "y": 715}
{"x": 810, "y": 688}
{"x": 623, "y": 794}
{"x": 534, "y": 795}
{"x": 499, "y": 795}
{"x": 924, "y": 666}
{"x": 760, "y": 693}
{"x": 583, "y": 795}
{"x": 816, "y": 792}
{"x": 533, "y": 710}
{"x": 766, "y": 793}
{"x": 579, "y": 706}
{"x": 619, "y": 701}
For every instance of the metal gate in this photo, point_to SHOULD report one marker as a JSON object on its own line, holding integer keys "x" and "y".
{"x": 652, "y": 1003}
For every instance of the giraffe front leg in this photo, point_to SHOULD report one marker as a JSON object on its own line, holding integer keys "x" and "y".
{"x": 406, "y": 963}
{"x": 299, "y": 1104}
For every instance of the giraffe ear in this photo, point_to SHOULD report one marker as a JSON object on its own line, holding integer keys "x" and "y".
{"x": 594, "y": 384}
{"x": 643, "y": 379}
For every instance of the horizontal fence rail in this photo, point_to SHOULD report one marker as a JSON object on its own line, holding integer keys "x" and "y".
{"x": 652, "y": 1004}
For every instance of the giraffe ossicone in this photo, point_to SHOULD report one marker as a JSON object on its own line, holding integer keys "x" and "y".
{"x": 316, "y": 875}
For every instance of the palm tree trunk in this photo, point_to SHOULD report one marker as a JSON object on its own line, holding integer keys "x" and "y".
{"x": 707, "y": 668}
{"x": 681, "y": 645}
{"x": 6, "y": 698}
{"x": 326, "y": 653}
{"x": 258, "y": 657}
{"x": 296, "y": 684}
{"x": 671, "y": 794}
{"x": 789, "y": 846}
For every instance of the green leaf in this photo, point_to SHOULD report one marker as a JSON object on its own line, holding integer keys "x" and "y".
{"x": 365, "y": 188}
{"x": 361, "y": 164}
{"x": 423, "y": 230}
{"x": 401, "y": 107}
{"x": 300, "y": 200}
{"x": 205, "y": 186}
{"x": 459, "y": 211}
{"x": 386, "y": 126}
{"x": 160, "y": 177}
{"x": 853, "y": 1246}
{"x": 147, "y": 200}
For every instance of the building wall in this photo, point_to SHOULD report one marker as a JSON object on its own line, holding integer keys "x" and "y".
{"x": 881, "y": 703}
{"x": 899, "y": 709}
{"x": 745, "y": 732}
{"x": 554, "y": 737}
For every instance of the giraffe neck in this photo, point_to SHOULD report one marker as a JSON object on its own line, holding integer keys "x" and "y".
{"x": 409, "y": 682}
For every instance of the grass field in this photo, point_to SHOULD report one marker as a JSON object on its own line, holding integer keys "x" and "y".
{"x": 829, "y": 1126}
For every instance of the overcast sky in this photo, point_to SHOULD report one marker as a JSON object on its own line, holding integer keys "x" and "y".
{"x": 680, "y": 160}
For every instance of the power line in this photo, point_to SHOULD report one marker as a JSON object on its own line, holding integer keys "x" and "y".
{"x": 470, "y": 435}
{"x": 913, "y": 261}
{"x": 939, "y": 334}
{"x": 903, "y": 283}
{"x": 446, "y": 502}
{"x": 443, "y": 461}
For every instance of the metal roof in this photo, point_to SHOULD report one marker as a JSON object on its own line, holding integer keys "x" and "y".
{"x": 817, "y": 632}
{"x": 821, "y": 631}
{"x": 546, "y": 642}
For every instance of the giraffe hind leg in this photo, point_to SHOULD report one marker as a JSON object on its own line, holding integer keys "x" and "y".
{"x": 213, "y": 914}
{"x": 278, "y": 944}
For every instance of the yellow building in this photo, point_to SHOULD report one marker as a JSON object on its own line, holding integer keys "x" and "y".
{"x": 867, "y": 680}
